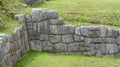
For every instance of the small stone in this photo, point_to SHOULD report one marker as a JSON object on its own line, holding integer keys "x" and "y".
{"x": 71, "y": 29}
{"x": 36, "y": 45}
{"x": 118, "y": 40}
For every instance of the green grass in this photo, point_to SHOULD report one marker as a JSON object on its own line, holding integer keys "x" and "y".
{"x": 41, "y": 59}
{"x": 75, "y": 12}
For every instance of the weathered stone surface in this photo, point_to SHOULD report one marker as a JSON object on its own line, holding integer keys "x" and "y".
{"x": 101, "y": 48}
{"x": 111, "y": 48}
{"x": 77, "y": 31}
{"x": 84, "y": 31}
{"x": 94, "y": 34}
{"x": 77, "y": 38}
{"x": 20, "y": 17}
{"x": 62, "y": 29}
{"x": 87, "y": 41}
{"x": 60, "y": 47}
{"x": 94, "y": 28}
{"x": 52, "y": 14}
{"x": 47, "y": 46}
{"x": 38, "y": 15}
{"x": 118, "y": 40}
{"x": 112, "y": 33}
{"x": 53, "y": 29}
{"x": 74, "y": 47}
{"x": 103, "y": 31}
{"x": 67, "y": 39}
{"x": 58, "y": 21}
{"x": 44, "y": 37}
{"x": 36, "y": 45}
{"x": 71, "y": 29}
{"x": 109, "y": 40}
{"x": 55, "y": 38}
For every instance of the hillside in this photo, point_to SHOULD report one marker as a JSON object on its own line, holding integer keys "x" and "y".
{"x": 75, "y": 12}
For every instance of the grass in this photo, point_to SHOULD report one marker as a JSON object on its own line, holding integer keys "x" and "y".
{"x": 75, "y": 12}
{"x": 41, "y": 59}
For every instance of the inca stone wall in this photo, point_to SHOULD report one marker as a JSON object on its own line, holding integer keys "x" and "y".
{"x": 43, "y": 30}
{"x": 14, "y": 47}
{"x": 48, "y": 33}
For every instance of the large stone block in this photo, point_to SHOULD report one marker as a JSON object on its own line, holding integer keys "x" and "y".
{"x": 67, "y": 39}
{"x": 88, "y": 41}
{"x": 55, "y": 38}
{"x": 38, "y": 15}
{"x": 77, "y": 38}
{"x": 47, "y": 46}
{"x": 111, "y": 48}
{"x": 36, "y": 45}
{"x": 118, "y": 40}
{"x": 77, "y": 31}
{"x": 94, "y": 28}
{"x": 52, "y": 14}
{"x": 101, "y": 48}
{"x": 103, "y": 31}
{"x": 53, "y": 29}
{"x": 74, "y": 47}
{"x": 44, "y": 37}
{"x": 60, "y": 47}
{"x": 62, "y": 29}
{"x": 44, "y": 27}
{"x": 110, "y": 40}
{"x": 58, "y": 21}
{"x": 84, "y": 31}
{"x": 71, "y": 29}
{"x": 112, "y": 33}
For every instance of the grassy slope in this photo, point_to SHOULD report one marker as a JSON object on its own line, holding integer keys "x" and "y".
{"x": 40, "y": 59}
{"x": 75, "y": 12}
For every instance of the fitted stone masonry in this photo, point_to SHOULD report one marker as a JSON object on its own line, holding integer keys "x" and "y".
{"x": 43, "y": 30}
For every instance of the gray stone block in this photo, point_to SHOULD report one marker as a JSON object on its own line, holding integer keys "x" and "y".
{"x": 84, "y": 31}
{"x": 118, "y": 40}
{"x": 55, "y": 38}
{"x": 74, "y": 47}
{"x": 53, "y": 29}
{"x": 110, "y": 40}
{"x": 60, "y": 47}
{"x": 111, "y": 48}
{"x": 36, "y": 45}
{"x": 58, "y": 21}
{"x": 20, "y": 17}
{"x": 112, "y": 33}
{"x": 71, "y": 29}
{"x": 77, "y": 38}
{"x": 88, "y": 41}
{"x": 62, "y": 29}
{"x": 67, "y": 39}
{"x": 44, "y": 37}
{"x": 94, "y": 34}
{"x": 47, "y": 46}
{"x": 94, "y": 28}
{"x": 52, "y": 14}
{"x": 101, "y": 48}
{"x": 38, "y": 15}
{"x": 103, "y": 32}
{"x": 77, "y": 31}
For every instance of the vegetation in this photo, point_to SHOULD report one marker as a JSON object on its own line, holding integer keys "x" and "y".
{"x": 41, "y": 59}
{"x": 75, "y": 12}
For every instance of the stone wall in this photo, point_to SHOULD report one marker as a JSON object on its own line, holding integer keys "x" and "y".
{"x": 43, "y": 30}
{"x": 48, "y": 33}
{"x": 31, "y": 2}
{"x": 14, "y": 47}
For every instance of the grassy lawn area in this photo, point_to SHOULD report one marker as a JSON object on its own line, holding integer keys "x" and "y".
{"x": 75, "y": 12}
{"x": 41, "y": 59}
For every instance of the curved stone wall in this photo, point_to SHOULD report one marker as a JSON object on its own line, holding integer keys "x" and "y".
{"x": 43, "y": 30}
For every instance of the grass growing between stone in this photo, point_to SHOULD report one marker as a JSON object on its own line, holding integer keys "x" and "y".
{"x": 42, "y": 59}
